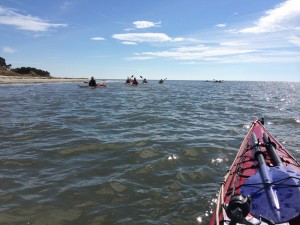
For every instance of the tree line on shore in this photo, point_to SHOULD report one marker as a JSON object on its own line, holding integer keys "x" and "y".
{"x": 23, "y": 70}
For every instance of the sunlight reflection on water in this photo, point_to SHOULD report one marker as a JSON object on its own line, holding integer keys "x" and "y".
{"x": 151, "y": 154}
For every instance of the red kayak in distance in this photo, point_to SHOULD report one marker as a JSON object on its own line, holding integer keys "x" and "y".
{"x": 262, "y": 185}
{"x": 97, "y": 86}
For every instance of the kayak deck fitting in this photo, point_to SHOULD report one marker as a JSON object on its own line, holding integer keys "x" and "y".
{"x": 262, "y": 185}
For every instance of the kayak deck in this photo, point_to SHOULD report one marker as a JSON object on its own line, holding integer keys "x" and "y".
{"x": 261, "y": 185}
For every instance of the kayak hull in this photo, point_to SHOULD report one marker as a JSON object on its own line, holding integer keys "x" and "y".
{"x": 97, "y": 86}
{"x": 268, "y": 192}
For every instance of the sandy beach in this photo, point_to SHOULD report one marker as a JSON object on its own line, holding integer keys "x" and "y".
{"x": 28, "y": 80}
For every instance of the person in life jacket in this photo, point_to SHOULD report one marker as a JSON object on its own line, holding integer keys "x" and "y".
{"x": 128, "y": 80}
{"x": 135, "y": 82}
{"x": 92, "y": 82}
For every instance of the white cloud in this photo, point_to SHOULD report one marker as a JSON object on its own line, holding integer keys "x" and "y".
{"x": 9, "y": 50}
{"x": 178, "y": 39}
{"x": 191, "y": 48}
{"x": 265, "y": 57}
{"x": 191, "y": 40}
{"x": 221, "y": 54}
{"x": 295, "y": 40}
{"x": 25, "y": 22}
{"x": 129, "y": 43}
{"x": 285, "y": 16}
{"x": 198, "y": 53}
{"x": 97, "y": 38}
{"x": 221, "y": 25}
{"x": 143, "y": 37}
{"x": 150, "y": 38}
{"x": 189, "y": 63}
{"x": 140, "y": 58}
{"x": 145, "y": 24}
{"x": 234, "y": 43}
{"x": 129, "y": 29}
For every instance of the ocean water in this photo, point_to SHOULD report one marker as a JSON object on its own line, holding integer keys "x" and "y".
{"x": 152, "y": 154}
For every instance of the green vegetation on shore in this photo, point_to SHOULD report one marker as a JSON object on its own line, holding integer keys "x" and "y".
{"x": 25, "y": 71}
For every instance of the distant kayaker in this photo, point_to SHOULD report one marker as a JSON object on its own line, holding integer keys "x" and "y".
{"x": 162, "y": 80}
{"x": 92, "y": 82}
{"x": 145, "y": 81}
{"x": 128, "y": 80}
{"x": 135, "y": 82}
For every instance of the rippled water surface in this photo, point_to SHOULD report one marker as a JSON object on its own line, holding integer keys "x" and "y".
{"x": 152, "y": 154}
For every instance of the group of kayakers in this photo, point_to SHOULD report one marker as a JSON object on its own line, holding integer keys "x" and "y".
{"x": 130, "y": 80}
{"x": 133, "y": 81}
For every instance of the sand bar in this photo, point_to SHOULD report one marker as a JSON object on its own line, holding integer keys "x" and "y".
{"x": 28, "y": 80}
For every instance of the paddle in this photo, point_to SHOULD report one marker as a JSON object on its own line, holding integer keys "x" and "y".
{"x": 274, "y": 191}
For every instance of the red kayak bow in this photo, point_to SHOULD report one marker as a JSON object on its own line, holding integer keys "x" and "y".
{"x": 263, "y": 184}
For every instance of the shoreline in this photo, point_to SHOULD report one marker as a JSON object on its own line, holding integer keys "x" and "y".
{"x": 36, "y": 80}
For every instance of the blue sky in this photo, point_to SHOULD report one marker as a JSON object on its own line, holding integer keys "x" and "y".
{"x": 177, "y": 39}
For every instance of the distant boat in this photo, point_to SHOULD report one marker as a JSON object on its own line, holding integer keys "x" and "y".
{"x": 218, "y": 81}
{"x": 214, "y": 81}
